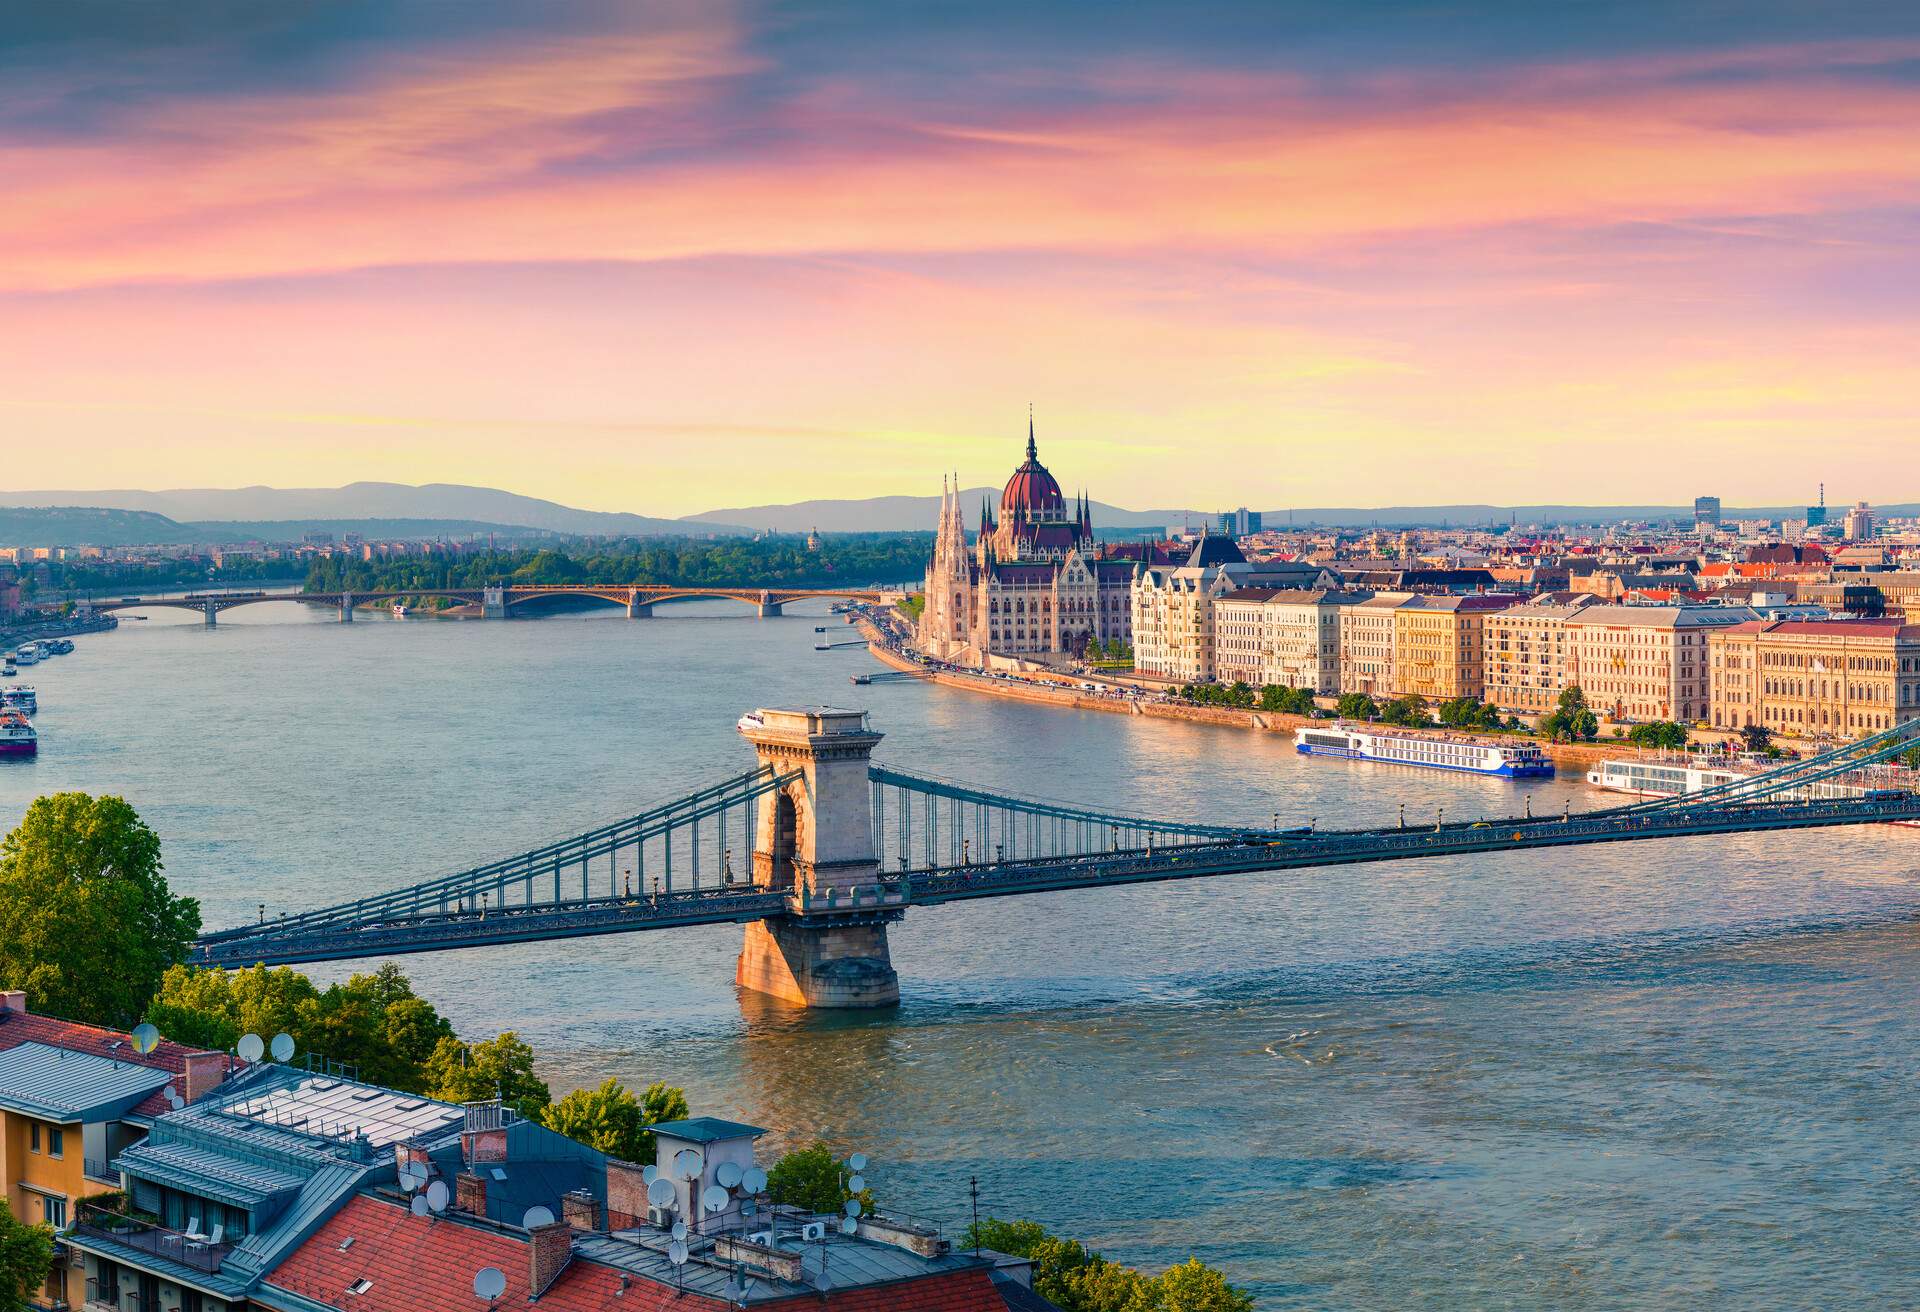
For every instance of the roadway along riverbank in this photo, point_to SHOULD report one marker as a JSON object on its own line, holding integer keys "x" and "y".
{"x": 1578, "y": 756}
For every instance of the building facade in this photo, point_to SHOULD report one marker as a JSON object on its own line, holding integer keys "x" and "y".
{"x": 1526, "y": 655}
{"x": 1366, "y": 644}
{"x": 1175, "y": 620}
{"x": 1643, "y": 663}
{"x": 1033, "y": 585}
{"x": 1439, "y": 646}
{"x": 1816, "y": 678}
{"x": 1282, "y": 636}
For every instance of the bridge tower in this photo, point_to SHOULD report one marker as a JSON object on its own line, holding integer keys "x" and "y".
{"x": 815, "y": 842}
{"x": 493, "y": 602}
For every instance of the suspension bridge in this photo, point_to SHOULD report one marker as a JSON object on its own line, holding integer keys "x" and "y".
{"x": 818, "y": 849}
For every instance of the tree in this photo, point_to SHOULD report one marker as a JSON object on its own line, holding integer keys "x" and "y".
{"x": 501, "y": 1067}
{"x": 26, "y": 1258}
{"x": 813, "y": 1178}
{"x": 611, "y": 1119}
{"x": 1191, "y": 1287}
{"x": 1757, "y": 738}
{"x": 1409, "y": 712}
{"x": 1570, "y": 720}
{"x": 1659, "y": 733}
{"x": 87, "y": 923}
{"x": 1356, "y": 706}
{"x": 1289, "y": 701}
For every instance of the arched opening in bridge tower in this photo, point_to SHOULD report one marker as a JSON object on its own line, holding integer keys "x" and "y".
{"x": 786, "y": 842}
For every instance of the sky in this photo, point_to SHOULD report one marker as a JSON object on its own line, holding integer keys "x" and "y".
{"x": 665, "y": 257}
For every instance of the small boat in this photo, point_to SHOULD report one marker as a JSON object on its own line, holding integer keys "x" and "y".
{"x": 20, "y": 697}
{"x": 28, "y": 654}
{"x": 17, "y": 737}
{"x": 750, "y": 722}
{"x": 1433, "y": 751}
{"x": 401, "y": 610}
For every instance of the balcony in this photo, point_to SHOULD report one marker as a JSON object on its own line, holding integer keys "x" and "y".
{"x": 103, "y": 1171}
{"x": 197, "y": 1251}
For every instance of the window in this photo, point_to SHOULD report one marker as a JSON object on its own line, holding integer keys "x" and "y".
{"x": 33, "y": 1136}
{"x": 54, "y": 1212}
{"x": 56, "y": 1141}
{"x": 361, "y": 1286}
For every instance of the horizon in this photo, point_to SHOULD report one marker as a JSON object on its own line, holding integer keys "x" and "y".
{"x": 1326, "y": 255}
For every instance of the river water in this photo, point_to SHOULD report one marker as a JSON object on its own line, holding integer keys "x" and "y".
{"x": 1625, "y": 1076}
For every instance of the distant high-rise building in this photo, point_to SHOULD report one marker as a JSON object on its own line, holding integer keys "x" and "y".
{"x": 1706, "y": 512}
{"x": 1817, "y": 515}
{"x": 1858, "y": 524}
{"x": 1237, "y": 523}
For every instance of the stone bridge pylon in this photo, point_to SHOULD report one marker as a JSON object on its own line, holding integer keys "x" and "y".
{"x": 815, "y": 843}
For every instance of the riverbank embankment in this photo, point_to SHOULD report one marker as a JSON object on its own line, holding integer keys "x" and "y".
{"x": 1579, "y": 756}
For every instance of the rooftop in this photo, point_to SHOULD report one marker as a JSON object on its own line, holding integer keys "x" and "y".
{"x": 334, "y": 1108}
{"x": 707, "y": 1129}
{"x": 59, "y": 1084}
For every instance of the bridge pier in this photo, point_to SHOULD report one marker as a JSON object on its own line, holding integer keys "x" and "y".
{"x": 638, "y": 609}
{"x": 769, "y": 608}
{"x": 814, "y": 841}
{"x": 346, "y": 608}
{"x": 211, "y": 613}
{"x": 493, "y": 603}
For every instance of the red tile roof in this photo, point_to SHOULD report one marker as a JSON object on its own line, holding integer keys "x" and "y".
{"x": 18, "y": 1027}
{"x": 427, "y": 1264}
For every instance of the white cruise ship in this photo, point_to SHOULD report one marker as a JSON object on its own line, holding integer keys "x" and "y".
{"x": 1521, "y": 760}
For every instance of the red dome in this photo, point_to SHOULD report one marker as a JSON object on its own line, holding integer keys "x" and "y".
{"x": 1031, "y": 490}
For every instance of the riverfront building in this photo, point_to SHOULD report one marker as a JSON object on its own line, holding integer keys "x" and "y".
{"x": 1646, "y": 662}
{"x": 1366, "y": 644}
{"x": 1033, "y": 586}
{"x": 1438, "y": 645}
{"x": 1527, "y": 658}
{"x": 1176, "y": 611}
{"x": 1282, "y": 636}
{"x": 1840, "y": 677}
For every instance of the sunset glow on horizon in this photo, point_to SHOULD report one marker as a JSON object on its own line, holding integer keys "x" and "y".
{"x": 675, "y": 257}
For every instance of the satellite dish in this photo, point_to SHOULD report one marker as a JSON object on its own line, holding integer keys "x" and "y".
{"x": 714, "y": 1198}
{"x": 853, "y": 1208}
{"x": 647, "y": 1174}
{"x": 282, "y": 1048}
{"x": 418, "y": 1206}
{"x": 170, "y": 1093}
{"x": 536, "y": 1217}
{"x": 857, "y": 1162}
{"x": 489, "y": 1282}
{"x": 687, "y": 1163}
{"x": 855, "y": 1183}
{"x": 660, "y": 1192}
{"x": 175, "y": 1101}
{"x": 251, "y": 1047}
{"x": 412, "y": 1176}
{"x": 437, "y": 1195}
{"x": 727, "y": 1175}
{"x": 849, "y": 1226}
{"x": 754, "y": 1180}
{"x": 145, "y": 1038}
{"x": 679, "y": 1229}
{"x": 677, "y": 1252}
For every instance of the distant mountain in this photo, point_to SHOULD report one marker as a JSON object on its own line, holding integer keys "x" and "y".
{"x": 83, "y": 526}
{"x": 898, "y": 514}
{"x": 893, "y": 514}
{"x": 390, "y": 501}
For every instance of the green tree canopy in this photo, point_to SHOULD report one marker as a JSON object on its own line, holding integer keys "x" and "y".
{"x": 87, "y": 923}
{"x": 813, "y": 1178}
{"x": 1757, "y": 738}
{"x": 1078, "y": 1279}
{"x": 500, "y": 1067}
{"x": 26, "y": 1257}
{"x": 1660, "y": 733}
{"x": 611, "y": 1119}
{"x": 1356, "y": 706}
{"x": 374, "y": 1021}
{"x": 1571, "y": 720}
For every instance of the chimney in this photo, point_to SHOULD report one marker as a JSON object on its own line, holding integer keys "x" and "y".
{"x": 14, "y": 1000}
{"x": 581, "y": 1210}
{"x": 204, "y": 1071}
{"x": 548, "y": 1255}
{"x": 626, "y": 1195}
{"x": 470, "y": 1193}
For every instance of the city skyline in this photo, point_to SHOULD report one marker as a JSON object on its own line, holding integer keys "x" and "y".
{"x": 610, "y": 256}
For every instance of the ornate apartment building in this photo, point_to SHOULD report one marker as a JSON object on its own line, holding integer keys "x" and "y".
{"x": 1366, "y": 644}
{"x": 1034, "y": 585}
{"x": 1527, "y": 654}
{"x": 1176, "y": 611}
{"x": 1843, "y": 678}
{"x": 1438, "y": 645}
{"x": 1281, "y": 636}
{"x": 1646, "y": 662}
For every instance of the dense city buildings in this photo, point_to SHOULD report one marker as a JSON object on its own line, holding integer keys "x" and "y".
{"x": 1838, "y": 678}
{"x": 1645, "y": 662}
{"x": 1034, "y": 585}
{"x": 1175, "y": 610}
{"x": 1526, "y": 654}
{"x": 1439, "y": 645}
{"x": 1284, "y": 636}
{"x": 1366, "y": 644}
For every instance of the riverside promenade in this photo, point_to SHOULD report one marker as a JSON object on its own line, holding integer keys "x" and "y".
{"x": 880, "y": 645}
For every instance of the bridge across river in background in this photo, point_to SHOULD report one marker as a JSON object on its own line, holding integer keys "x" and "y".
{"x": 818, "y": 849}
{"x": 496, "y": 601}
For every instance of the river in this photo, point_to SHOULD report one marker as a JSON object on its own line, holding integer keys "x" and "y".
{"x": 1626, "y": 1076}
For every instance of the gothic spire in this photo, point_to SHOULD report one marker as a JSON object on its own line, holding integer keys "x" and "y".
{"x": 1032, "y": 453}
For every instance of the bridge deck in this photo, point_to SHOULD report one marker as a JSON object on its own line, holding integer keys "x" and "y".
{"x": 394, "y": 934}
